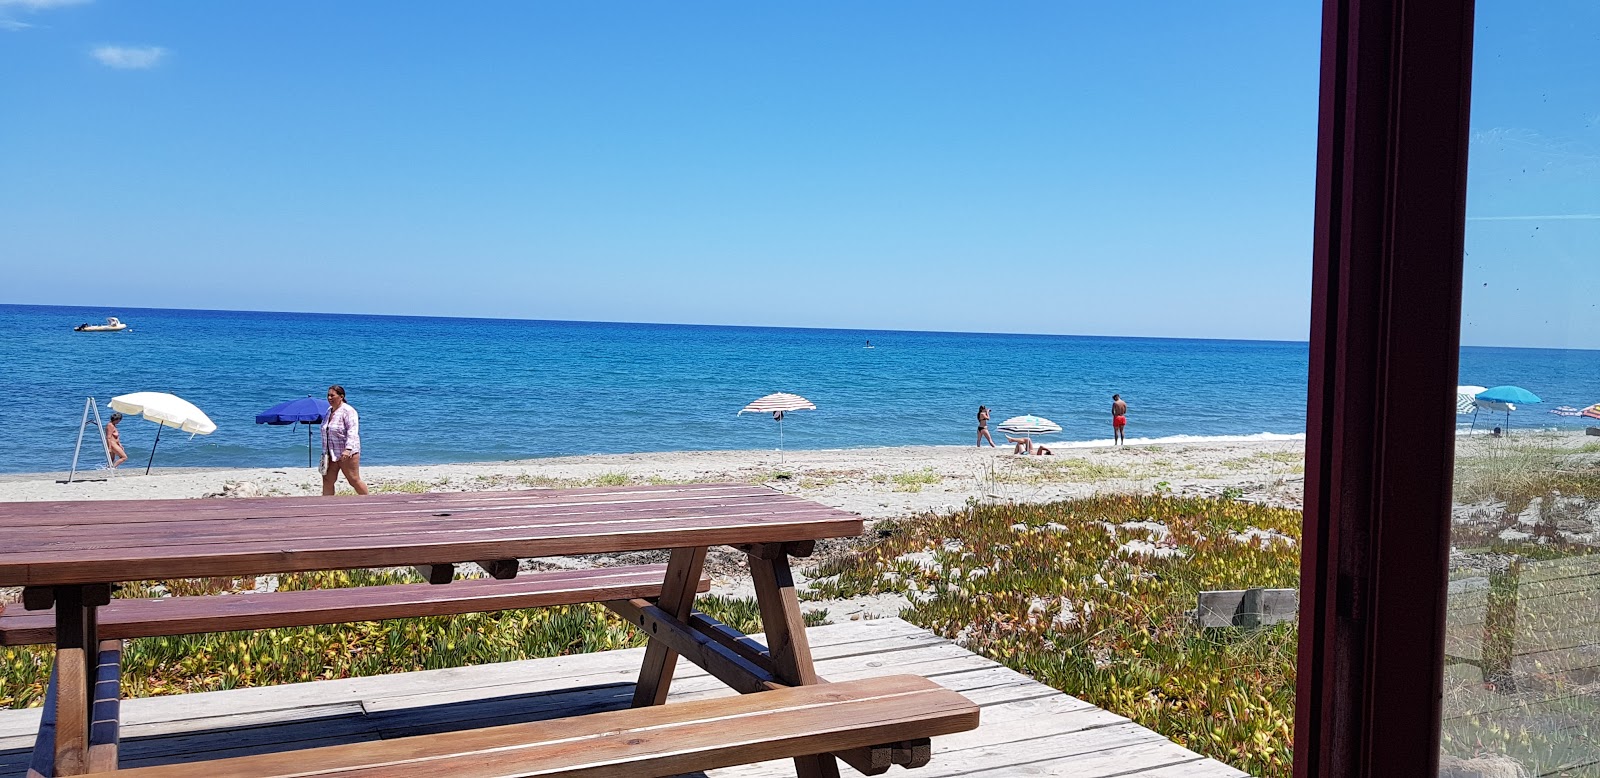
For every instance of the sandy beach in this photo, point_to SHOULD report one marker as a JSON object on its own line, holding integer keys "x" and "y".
{"x": 877, "y": 483}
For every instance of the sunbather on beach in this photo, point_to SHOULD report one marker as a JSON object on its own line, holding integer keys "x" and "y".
{"x": 1022, "y": 445}
{"x": 1042, "y": 450}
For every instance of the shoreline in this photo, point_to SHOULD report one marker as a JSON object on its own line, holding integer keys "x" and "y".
{"x": 877, "y": 483}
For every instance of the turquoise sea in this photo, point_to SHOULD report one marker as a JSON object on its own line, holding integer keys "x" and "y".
{"x": 433, "y": 390}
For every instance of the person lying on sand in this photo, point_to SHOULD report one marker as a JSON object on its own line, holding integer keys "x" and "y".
{"x": 1022, "y": 445}
{"x": 1042, "y": 450}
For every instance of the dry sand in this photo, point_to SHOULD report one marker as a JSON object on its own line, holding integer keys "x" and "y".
{"x": 877, "y": 483}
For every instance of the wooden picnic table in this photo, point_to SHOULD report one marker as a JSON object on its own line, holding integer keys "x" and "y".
{"x": 70, "y": 554}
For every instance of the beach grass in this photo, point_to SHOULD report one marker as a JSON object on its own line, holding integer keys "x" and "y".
{"x": 232, "y": 660}
{"x": 915, "y": 480}
{"x": 1516, "y": 469}
{"x": 1061, "y": 593}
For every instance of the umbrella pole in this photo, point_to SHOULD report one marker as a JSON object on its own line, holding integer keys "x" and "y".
{"x": 780, "y": 441}
{"x": 309, "y": 463}
{"x": 153, "y": 448}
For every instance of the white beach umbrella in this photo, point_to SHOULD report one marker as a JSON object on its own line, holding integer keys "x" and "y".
{"x": 779, "y": 404}
{"x": 167, "y": 410}
{"x": 1029, "y": 425}
{"x": 1464, "y": 399}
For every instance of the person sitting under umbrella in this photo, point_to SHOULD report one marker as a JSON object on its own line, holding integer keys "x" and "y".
{"x": 1023, "y": 445}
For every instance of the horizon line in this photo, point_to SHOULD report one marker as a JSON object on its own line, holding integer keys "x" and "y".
{"x": 661, "y": 323}
{"x": 747, "y": 326}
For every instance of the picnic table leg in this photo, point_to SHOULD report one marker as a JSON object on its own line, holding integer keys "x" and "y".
{"x": 785, "y": 629}
{"x": 77, "y": 661}
{"x": 677, "y": 598}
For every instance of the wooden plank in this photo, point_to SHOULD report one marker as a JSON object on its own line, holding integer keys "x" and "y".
{"x": 1106, "y": 751}
{"x": 180, "y": 513}
{"x": 676, "y": 601}
{"x": 203, "y": 531}
{"x": 107, "y": 511}
{"x": 288, "y": 555}
{"x": 134, "y": 618}
{"x": 71, "y": 712}
{"x": 211, "y": 533}
{"x": 1222, "y": 608}
{"x": 1058, "y": 718}
{"x": 1200, "y": 768}
{"x": 1556, "y": 569}
{"x": 649, "y": 741}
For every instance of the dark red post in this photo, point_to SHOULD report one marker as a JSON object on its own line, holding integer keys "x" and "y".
{"x": 1385, "y": 330}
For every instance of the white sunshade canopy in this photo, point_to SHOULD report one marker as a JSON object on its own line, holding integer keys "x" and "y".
{"x": 1029, "y": 425}
{"x": 781, "y": 401}
{"x": 168, "y": 410}
{"x": 1464, "y": 398}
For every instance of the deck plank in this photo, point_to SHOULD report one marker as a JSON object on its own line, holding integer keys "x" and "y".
{"x": 1027, "y": 728}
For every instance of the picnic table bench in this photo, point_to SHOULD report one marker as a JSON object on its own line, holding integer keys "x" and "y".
{"x": 68, "y": 555}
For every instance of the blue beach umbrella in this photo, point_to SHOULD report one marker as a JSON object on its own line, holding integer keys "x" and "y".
{"x": 307, "y": 410}
{"x": 1505, "y": 398}
{"x": 1509, "y": 394}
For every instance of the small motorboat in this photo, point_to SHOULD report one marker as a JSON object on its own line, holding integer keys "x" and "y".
{"x": 113, "y": 324}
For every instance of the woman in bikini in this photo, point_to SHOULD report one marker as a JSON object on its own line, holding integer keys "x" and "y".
{"x": 983, "y": 426}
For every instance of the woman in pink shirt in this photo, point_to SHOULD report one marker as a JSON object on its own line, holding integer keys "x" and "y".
{"x": 341, "y": 444}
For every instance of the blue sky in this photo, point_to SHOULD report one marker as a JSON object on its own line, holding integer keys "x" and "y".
{"x": 1023, "y": 167}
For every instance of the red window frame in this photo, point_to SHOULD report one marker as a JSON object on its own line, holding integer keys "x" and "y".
{"x": 1385, "y": 338}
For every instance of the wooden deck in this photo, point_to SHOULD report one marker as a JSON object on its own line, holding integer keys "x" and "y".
{"x": 1028, "y": 729}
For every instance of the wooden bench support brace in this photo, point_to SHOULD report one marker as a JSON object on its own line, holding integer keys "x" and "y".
{"x": 721, "y": 662}
{"x": 677, "y": 601}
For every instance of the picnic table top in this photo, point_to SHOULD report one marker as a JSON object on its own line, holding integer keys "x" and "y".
{"x": 83, "y": 542}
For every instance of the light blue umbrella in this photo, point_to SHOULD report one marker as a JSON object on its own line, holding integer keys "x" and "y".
{"x": 1508, "y": 394}
{"x": 1505, "y": 398}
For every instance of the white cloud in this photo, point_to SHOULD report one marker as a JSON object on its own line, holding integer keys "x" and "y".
{"x": 27, "y": 6}
{"x": 39, "y": 5}
{"x": 129, "y": 57}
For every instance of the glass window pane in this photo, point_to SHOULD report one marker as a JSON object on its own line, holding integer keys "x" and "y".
{"x": 1522, "y": 667}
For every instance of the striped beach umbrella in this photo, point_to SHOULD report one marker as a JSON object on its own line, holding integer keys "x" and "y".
{"x": 779, "y": 404}
{"x": 1029, "y": 425}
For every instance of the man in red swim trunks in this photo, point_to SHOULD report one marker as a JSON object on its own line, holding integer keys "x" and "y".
{"x": 1119, "y": 419}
